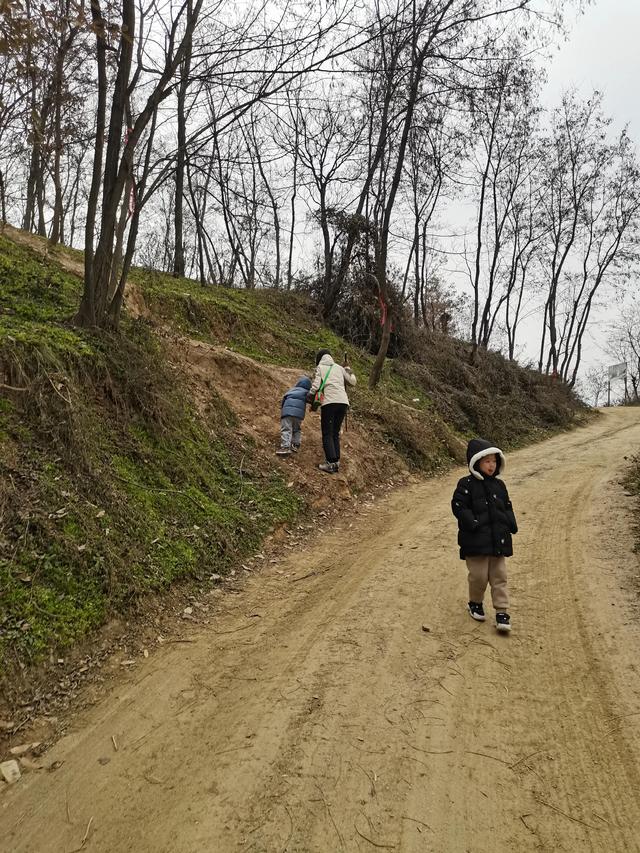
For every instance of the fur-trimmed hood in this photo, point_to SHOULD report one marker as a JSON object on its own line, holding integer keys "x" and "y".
{"x": 477, "y": 449}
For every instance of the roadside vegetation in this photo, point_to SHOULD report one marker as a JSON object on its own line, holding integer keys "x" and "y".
{"x": 113, "y": 484}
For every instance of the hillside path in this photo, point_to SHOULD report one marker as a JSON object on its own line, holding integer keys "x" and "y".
{"x": 316, "y": 715}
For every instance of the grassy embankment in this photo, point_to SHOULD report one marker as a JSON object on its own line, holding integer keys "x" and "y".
{"x": 494, "y": 397}
{"x": 111, "y": 485}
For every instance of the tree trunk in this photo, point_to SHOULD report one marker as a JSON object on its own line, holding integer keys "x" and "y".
{"x": 3, "y": 208}
{"x": 273, "y": 201}
{"x": 56, "y": 235}
{"x": 376, "y": 370}
{"x": 294, "y": 193}
{"x": 120, "y": 229}
{"x": 178, "y": 262}
{"x": 419, "y": 284}
{"x": 115, "y": 176}
{"x": 479, "y": 225}
{"x": 30, "y": 205}
{"x": 74, "y": 199}
{"x": 117, "y": 300}
{"x": 87, "y": 311}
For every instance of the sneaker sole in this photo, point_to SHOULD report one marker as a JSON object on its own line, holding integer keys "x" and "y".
{"x": 504, "y": 629}
{"x": 477, "y": 616}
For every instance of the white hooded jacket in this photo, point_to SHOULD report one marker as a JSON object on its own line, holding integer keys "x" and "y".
{"x": 334, "y": 389}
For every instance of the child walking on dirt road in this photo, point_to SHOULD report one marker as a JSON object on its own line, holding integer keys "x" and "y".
{"x": 292, "y": 412}
{"x": 486, "y": 523}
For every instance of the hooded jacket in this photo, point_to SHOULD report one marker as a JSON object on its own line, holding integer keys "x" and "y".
{"x": 294, "y": 402}
{"x": 481, "y": 504}
{"x": 334, "y": 390}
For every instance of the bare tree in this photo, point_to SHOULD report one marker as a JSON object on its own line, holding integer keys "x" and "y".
{"x": 624, "y": 344}
{"x": 261, "y": 55}
{"x": 504, "y": 114}
{"x": 265, "y": 160}
{"x": 50, "y": 64}
{"x": 328, "y": 137}
{"x": 14, "y": 32}
{"x": 118, "y": 158}
{"x": 595, "y": 384}
{"x": 420, "y": 50}
{"x": 181, "y": 156}
{"x": 577, "y": 158}
{"x": 593, "y": 205}
{"x": 293, "y": 106}
{"x": 434, "y": 148}
{"x": 527, "y": 229}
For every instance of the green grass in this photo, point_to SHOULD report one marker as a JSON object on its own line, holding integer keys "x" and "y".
{"x": 37, "y": 301}
{"x": 284, "y": 328}
{"x": 110, "y": 484}
{"x": 269, "y": 326}
{"x": 140, "y": 507}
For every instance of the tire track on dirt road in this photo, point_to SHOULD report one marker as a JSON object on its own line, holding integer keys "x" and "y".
{"x": 333, "y": 722}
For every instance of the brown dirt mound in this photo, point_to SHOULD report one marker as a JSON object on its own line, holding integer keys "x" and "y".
{"x": 253, "y": 391}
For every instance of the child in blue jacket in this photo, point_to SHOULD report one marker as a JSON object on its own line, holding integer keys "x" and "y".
{"x": 292, "y": 414}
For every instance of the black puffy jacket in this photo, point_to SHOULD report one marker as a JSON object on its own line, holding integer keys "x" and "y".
{"x": 482, "y": 506}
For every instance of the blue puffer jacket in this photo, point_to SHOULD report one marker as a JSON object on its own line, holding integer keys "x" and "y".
{"x": 294, "y": 402}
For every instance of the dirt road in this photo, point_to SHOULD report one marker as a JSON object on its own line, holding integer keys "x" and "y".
{"x": 332, "y": 722}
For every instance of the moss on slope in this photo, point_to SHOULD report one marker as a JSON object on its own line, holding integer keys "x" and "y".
{"x": 110, "y": 483}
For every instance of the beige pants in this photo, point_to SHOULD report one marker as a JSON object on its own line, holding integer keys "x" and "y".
{"x": 492, "y": 570}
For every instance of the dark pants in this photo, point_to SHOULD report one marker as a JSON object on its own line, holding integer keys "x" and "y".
{"x": 331, "y": 417}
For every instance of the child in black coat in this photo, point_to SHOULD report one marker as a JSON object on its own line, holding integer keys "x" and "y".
{"x": 486, "y": 523}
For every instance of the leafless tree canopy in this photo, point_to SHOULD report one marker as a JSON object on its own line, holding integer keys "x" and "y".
{"x": 377, "y": 154}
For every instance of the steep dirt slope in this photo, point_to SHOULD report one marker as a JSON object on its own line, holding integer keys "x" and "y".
{"x": 254, "y": 390}
{"x": 317, "y": 713}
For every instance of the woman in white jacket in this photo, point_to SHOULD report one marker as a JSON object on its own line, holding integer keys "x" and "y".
{"x": 331, "y": 380}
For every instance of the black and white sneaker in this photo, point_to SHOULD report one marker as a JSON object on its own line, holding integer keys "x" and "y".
{"x": 503, "y": 622}
{"x": 476, "y": 611}
{"x": 283, "y": 451}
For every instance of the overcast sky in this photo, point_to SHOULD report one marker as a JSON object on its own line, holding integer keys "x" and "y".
{"x": 602, "y": 51}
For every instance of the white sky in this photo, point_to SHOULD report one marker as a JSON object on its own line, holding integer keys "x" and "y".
{"x": 602, "y": 51}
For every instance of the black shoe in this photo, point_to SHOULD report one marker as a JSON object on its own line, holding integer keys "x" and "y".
{"x": 503, "y": 622}
{"x": 476, "y": 611}
{"x": 295, "y": 448}
{"x": 283, "y": 451}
